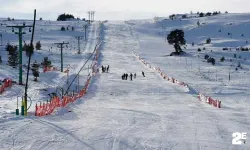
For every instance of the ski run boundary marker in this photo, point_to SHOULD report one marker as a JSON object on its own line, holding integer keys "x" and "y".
{"x": 6, "y": 84}
{"x": 201, "y": 97}
{"x": 47, "y": 108}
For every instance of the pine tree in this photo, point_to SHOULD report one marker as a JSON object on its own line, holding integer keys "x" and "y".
{"x": 201, "y": 14}
{"x": 215, "y": 13}
{"x": 25, "y": 46}
{"x": 8, "y": 47}
{"x": 29, "y": 49}
{"x": 176, "y": 38}
{"x": 208, "y": 14}
{"x": 208, "y": 41}
{"x": 222, "y": 59}
{"x": 64, "y": 17}
{"x": 211, "y": 60}
{"x": 13, "y": 56}
{"x": 206, "y": 56}
{"x": 35, "y": 70}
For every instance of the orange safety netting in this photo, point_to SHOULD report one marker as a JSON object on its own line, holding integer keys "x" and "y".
{"x": 209, "y": 100}
{"x": 49, "y": 107}
{"x": 7, "y": 83}
{"x": 51, "y": 68}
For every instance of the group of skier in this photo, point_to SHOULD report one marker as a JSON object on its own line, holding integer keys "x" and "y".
{"x": 105, "y": 69}
{"x": 125, "y": 76}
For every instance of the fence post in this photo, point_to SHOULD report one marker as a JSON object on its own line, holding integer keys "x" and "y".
{"x": 22, "y": 108}
{"x": 36, "y": 110}
{"x": 17, "y": 110}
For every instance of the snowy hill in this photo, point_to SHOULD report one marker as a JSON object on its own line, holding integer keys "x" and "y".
{"x": 48, "y": 33}
{"x": 147, "y": 112}
{"x": 193, "y": 68}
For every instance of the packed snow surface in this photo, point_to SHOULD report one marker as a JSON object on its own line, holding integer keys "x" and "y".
{"x": 147, "y": 112}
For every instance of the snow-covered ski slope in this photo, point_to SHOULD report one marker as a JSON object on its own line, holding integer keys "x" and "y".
{"x": 48, "y": 32}
{"x": 148, "y": 112}
{"x": 193, "y": 68}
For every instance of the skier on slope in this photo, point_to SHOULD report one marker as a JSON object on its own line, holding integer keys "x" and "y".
{"x": 105, "y": 69}
{"x": 126, "y": 76}
{"x": 143, "y": 74}
{"x": 134, "y": 75}
{"x": 131, "y": 76}
{"x": 102, "y": 69}
{"x": 108, "y": 68}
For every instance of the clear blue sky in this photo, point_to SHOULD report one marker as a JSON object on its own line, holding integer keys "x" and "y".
{"x": 116, "y": 9}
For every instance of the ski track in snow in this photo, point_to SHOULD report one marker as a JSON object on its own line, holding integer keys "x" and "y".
{"x": 146, "y": 113}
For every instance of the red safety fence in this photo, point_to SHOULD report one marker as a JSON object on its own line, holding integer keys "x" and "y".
{"x": 162, "y": 74}
{"x": 67, "y": 99}
{"x": 49, "y": 107}
{"x": 49, "y": 68}
{"x": 6, "y": 84}
{"x": 66, "y": 71}
{"x": 209, "y": 100}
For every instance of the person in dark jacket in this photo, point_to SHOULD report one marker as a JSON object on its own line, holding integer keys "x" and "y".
{"x": 126, "y": 76}
{"x": 131, "y": 76}
{"x": 108, "y": 68}
{"x": 143, "y": 74}
{"x": 102, "y": 69}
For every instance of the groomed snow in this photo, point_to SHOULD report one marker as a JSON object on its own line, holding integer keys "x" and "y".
{"x": 146, "y": 113}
